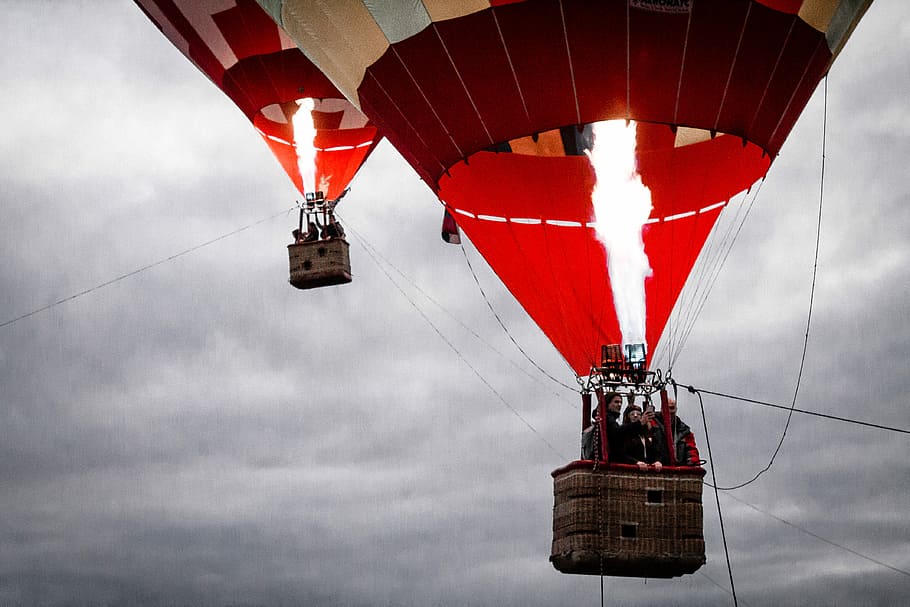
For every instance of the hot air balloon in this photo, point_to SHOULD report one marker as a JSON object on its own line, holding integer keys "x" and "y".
{"x": 537, "y": 123}
{"x": 317, "y": 135}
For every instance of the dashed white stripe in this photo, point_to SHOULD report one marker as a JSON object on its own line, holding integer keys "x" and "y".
{"x": 565, "y": 223}
{"x": 680, "y": 215}
{"x": 339, "y": 148}
{"x": 712, "y": 207}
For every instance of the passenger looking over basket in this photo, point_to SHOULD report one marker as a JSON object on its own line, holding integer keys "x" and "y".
{"x": 680, "y": 436}
{"x": 333, "y": 229}
{"x": 639, "y": 446}
{"x": 590, "y": 438}
{"x": 312, "y": 234}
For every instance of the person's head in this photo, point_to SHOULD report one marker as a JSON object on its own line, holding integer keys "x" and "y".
{"x": 613, "y": 401}
{"x": 671, "y": 405}
{"x": 295, "y": 233}
{"x": 632, "y": 415}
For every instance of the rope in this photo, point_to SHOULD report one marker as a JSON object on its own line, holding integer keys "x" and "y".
{"x": 818, "y": 537}
{"x": 720, "y": 515}
{"x": 143, "y": 269}
{"x": 467, "y": 328}
{"x": 847, "y": 420}
{"x": 802, "y": 360}
{"x": 501, "y": 324}
{"x": 370, "y": 252}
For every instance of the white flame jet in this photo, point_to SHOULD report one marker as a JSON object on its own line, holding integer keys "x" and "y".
{"x": 304, "y": 139}
{"x": 622, "y": 205}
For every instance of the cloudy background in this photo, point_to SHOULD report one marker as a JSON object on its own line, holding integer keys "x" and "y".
{"x": 201, "y": 433}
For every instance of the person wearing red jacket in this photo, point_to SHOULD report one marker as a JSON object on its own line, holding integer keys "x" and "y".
{"x": 681, "y": 436}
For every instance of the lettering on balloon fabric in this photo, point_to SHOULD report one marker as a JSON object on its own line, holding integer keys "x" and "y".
{"x": 663, "y": 6}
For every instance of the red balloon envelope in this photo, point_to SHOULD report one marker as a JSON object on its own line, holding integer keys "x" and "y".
{"x": 241, "y": 49}
{"x": 489, "y": 101}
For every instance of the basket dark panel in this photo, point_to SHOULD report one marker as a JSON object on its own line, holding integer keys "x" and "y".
{"x": 319, "y": 263}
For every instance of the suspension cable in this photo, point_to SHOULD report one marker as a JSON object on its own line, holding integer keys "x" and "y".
{"x": 818, "y": 537}
{"x": 368, "y": 248}
{"x": 720, "y": 515}
{"x": 802, "y": 360}
{"x": 847, "y": 420}
{"x": 143, "y": 268}
{"x": 501, "y": 324}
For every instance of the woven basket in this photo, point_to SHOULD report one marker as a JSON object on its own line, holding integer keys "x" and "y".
{"x": 623, "y": 521}
{"x": 319, "y": 263}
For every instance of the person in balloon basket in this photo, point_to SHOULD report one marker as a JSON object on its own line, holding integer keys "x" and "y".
{"x": 590, "y": 438}
{"x": 680, "y": 435}
{"x": 639, "y": 438}
{"x": 311, "y": 234}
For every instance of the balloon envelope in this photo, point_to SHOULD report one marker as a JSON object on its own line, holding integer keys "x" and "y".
{"x": 242, "y": 50}
{"x": 489, "y": 101}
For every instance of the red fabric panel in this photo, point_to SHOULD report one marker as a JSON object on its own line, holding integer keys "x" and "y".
{"x": 493, "y": 89}
{"x": 764, "y": 38}
{"x": 816, "y": 70}
{"x": 340, "y": 166}
{"x": 657, "y": 44}
{"x": 428, "y": 64}
{"x": 286, "y": 154}
{"x": 248, "y": 29}
{"x": 387, "y": 116}
{"x": 717, "y": 24}
{"x": 765, "y": 93}
{"x": 534, "y": 37}
{"x": 693, "y": 176}
{"x": 790, "y": 7}
{"x": 256, "y": 82}
{"x": 559, "y": 273}
{"x": 597, "y": 42}
{"x": 327, "y": 120}
{"x": 582, "y": 464}
{"x": 390, "y": 74}
{"x": 800, "y": 46}
{"x": 200, "y": 54}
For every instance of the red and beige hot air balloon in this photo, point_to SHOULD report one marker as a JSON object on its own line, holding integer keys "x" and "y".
{"x": 491, "y": 100}
{"x": 238, "y": 46}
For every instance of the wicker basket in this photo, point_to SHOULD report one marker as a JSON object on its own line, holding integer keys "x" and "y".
{"x": 618, "y": 520}
{"x": 319, "y": 263}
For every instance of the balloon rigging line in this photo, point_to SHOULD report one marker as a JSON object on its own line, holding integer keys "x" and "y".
{"x": 142, "y": 269}
{"x": 720, "y": 515}
{"x": 501, "y": 324}
{"x": 818, "y": 537}
{"x": 802, "y": 360}
{"x": 847, "y": 420}
{"x": 724, "y": 588}
{"x": 716, "y": 266}
{"x": 370, "y": 252}
{"x": 467, "y": 328}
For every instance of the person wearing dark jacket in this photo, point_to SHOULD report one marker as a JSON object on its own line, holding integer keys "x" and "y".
{"x": 681, "y": 437}
{"x": 590, "y": 438}
{"x": 639, "y": 446}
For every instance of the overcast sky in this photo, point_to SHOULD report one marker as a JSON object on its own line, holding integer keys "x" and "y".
{"x": 201, "y": 433}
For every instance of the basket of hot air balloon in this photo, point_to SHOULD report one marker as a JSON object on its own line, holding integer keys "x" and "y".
{"x": 619, "y": 520}
{"x": 319, "y": 263}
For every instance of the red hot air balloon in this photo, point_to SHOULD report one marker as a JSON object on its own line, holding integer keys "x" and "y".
{"x": 505, "y": 108}
{"x": 488, "y": 100}
{"x": 241, "y": 49}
